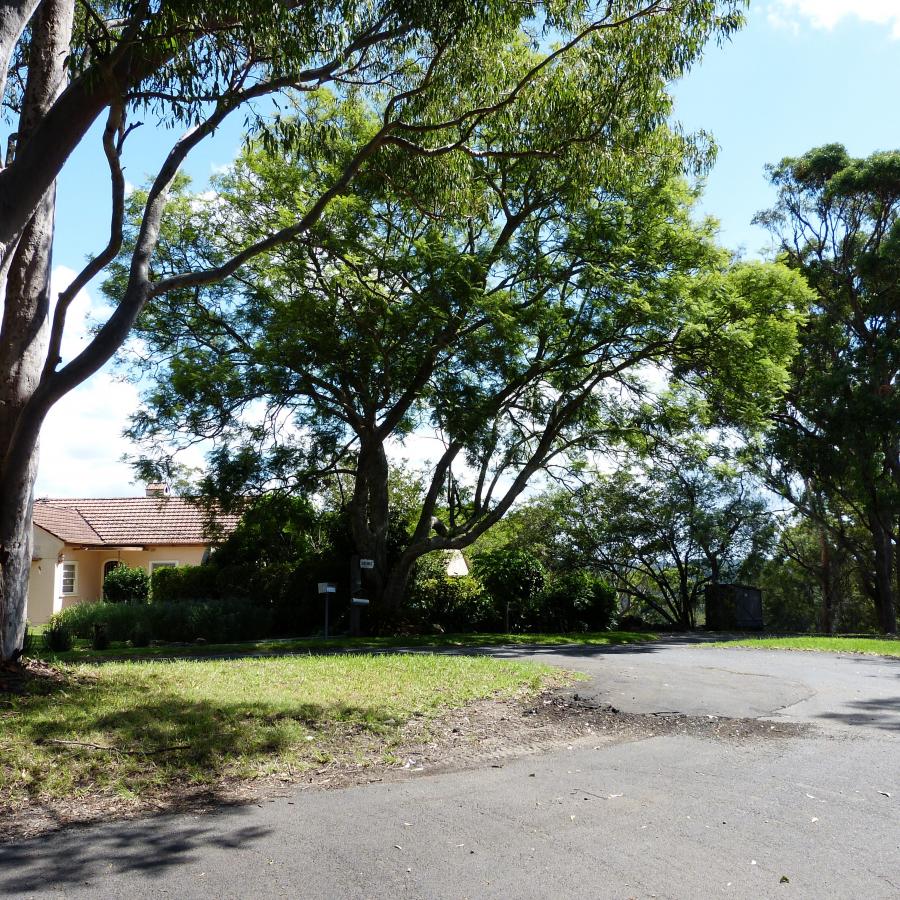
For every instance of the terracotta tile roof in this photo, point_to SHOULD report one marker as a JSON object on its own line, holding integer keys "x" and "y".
{"x": 127, "y": 521}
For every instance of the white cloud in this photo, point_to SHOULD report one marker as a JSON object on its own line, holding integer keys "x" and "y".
{"x": 81, "y": 442}
{"x": 829, "y": 13}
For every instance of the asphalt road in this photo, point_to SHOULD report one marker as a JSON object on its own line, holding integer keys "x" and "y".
{"x": 665, "y": 816}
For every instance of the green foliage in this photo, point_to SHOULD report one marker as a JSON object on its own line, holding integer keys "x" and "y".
{"x": 804, "y": 565}
{"x": 510, "y": 295}
{"x": 58, "y": 633}
{"x": 446, "y": 603}
{"x": 514, "y": 579}
{"x": 659, "y": 529}
{"x": 571, "y": 601}
{"x": 177, "y": 583}
{"x": 126, "y": 584}
{"x": 834, "y": 449}
{"x": 214, "y": 621}
{"x": 511, "y": 575}
{"x": 575, "y": 601}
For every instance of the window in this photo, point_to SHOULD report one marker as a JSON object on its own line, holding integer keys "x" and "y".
{"x": 69, "y": 577}
{"x": 162, "y": 564}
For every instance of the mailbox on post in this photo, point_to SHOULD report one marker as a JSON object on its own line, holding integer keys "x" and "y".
{"x": 327, "y": 588}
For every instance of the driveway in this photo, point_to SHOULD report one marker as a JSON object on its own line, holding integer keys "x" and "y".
{"x": 831, "y": 690}
{"x": 673, "y": 815}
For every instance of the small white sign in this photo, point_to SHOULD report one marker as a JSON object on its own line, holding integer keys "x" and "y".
{"x": 360, "y": 601}
{"x": 327, "y": 587}
{"x": 367, "y": 563}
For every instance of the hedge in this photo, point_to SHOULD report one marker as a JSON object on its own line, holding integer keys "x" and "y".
{"x": 215, "y": 621}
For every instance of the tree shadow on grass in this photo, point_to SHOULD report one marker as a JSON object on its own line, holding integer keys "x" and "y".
{"x": 105, "y": 740}
{"x": 149, "y": 847}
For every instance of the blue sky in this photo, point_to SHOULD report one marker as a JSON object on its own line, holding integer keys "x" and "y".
{"x": 802, "y": 73}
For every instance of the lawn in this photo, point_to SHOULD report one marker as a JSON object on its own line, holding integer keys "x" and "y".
{"x": 83, "y": 652}
{"x": 882, "y": 646}
{"x": 138, "y": 729}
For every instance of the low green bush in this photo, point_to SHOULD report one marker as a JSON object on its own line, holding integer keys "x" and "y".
{"x": 441, "y": 602}
{"x": 58, "y": 634}
{"x": 214, "y": 621}
{"x": 514, "y": 579}
{"x": 29, "y": 642}
{"x": 573, "y": 601}
{"x": 100, "y": 639}
{"x": 126, "y": 584}
{"x": 175, "y": 584}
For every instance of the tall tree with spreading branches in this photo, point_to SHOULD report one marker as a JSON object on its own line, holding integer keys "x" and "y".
{"x": 521, "y": 332}
{"x": 664, "y": 528}
{"x": 428, "y": 71}
{"x": 834, "y": 449}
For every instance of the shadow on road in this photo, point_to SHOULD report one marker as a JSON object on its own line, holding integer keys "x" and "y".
{"x": 878, "y": 712}
{"x": 513, "y": 651}
{"x": 149, "y": 847}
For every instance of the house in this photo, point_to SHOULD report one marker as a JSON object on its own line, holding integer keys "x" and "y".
{"x": 78, "y": 541}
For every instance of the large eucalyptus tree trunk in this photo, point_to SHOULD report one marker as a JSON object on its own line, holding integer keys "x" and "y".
{"x": 24, "y": 332}
{"x": 369, "y": 510}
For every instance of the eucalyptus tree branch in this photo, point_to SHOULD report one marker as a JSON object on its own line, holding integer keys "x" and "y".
{"x": 217, "y": 273}
{"x": 112, "y": 149}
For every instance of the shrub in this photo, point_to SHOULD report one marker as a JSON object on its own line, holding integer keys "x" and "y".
{"x": 514, "y": 579}
{"x": 126, "y": 584}
{"x": 443, "y": 602}
{"x": 574, "y": 601}
{"x": 58, "y": 634}
{"x": 173, "y": 584}
{"x": 100, "y": 639}
{"x": 217, "y": 620}
{"x": 633, "y": 622}
{"x": 140, "y": 635}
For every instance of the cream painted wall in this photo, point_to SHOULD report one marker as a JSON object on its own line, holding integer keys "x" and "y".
{"x": 45, "y": 585}
{"x": 46, "y": 545}
{"x": 42, "y": 587}
{"x": 39, "y": 606}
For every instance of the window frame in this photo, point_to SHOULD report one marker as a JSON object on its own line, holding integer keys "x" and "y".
{"x": 161, "y": 564}
{"x": 62, "y": 580}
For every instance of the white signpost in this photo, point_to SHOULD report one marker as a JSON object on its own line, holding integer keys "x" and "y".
{"x": 367, "y": 563}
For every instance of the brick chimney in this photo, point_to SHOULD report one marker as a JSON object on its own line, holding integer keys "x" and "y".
{"x": 157, "y": 489}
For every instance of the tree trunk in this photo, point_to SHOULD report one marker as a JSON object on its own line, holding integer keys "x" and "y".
{"x": 884, "y": 578}
{"x": 369, "y": 518}
{"x": 24, "y": 332}
{"x": 826, "y": 578}
{"x": 395, "y": 587}
{"x": 15, "y": 563}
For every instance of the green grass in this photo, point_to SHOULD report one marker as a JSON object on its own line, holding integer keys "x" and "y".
{"x": 160, "y": 725}
{"x": 82, "y": 651}
{"x": 882, "y": 646}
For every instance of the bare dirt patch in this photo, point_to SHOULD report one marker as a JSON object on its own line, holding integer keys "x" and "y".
{"x": 486, "y": 732}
